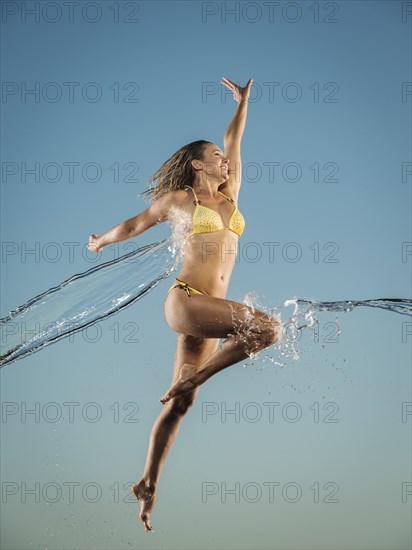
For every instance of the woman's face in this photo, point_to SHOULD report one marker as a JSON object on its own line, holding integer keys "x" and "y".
{"x": 214, "y": 164}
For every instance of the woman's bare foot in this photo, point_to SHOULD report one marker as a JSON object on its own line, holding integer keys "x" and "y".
{"x": 146, "y": 496}
{"x": 185, "y": 383}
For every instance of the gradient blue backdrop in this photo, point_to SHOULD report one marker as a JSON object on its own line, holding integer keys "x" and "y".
{"x": 351, "y": 65}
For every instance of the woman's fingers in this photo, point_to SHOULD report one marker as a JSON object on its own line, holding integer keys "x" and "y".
{"x": 238, "y": 91}
{"x": 93, "y": 245}
{"x": 228, "y": 82}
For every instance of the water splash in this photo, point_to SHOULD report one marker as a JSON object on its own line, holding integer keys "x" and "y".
{"x": 89, "y": 297}
{"x": 398, "y": 305}
{"x": 305, "y": 317}
{"x": 85, "y": 298}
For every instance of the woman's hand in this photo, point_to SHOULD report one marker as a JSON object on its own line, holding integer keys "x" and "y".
{"x": 240, "y": 94}
{"x": 94, "y": 243}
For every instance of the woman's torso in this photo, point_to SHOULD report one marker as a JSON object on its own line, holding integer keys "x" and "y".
{"x": 208, "y": 257}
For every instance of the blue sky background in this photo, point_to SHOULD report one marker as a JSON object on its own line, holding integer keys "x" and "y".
{"x": 174, "y": 52}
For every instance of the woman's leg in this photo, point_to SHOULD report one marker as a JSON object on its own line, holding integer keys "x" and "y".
{"x": 247, "y": 331}
{"x": 191, "y": 350}
{"x": 201, "y": 320}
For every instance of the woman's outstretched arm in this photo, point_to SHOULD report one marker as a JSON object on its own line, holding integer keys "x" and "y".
{"x": 233, "y": 136}
{"x": 156, "y": 213}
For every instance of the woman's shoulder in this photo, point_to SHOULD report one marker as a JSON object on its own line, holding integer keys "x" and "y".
{"x": 177, "y": 197}
{"x": 183, "y": 192}
{"x": 167, "y": 203}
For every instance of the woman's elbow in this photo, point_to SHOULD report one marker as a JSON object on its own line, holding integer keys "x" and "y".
{"x": 142, "y": 223}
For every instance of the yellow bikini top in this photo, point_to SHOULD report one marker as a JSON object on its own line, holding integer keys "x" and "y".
{"x": 206, "y": 220}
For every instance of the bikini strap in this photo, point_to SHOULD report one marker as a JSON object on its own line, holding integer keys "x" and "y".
{"x": 196, "y": 201}
{"x": 228, "y": 198}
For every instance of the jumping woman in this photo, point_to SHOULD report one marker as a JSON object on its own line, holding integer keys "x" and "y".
{"x": 203, "y": 182}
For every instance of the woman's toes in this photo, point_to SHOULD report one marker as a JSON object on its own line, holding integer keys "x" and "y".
{"x": 146, "y": 522}
{"x": 185, "y": 383}
{"x": 165, "y": 398}
{"x": 146, "y": 496}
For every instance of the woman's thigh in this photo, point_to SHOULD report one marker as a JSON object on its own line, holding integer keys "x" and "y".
{"x": 205, "y": 316}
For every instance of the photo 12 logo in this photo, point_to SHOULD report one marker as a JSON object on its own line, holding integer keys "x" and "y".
{"x": 33, "y": 12}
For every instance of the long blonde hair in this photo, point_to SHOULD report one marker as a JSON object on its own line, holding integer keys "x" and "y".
{"x": 176, "y": 172}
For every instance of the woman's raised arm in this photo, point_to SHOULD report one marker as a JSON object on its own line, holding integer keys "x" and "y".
{"x": 236, "y": 127}
{"x": 233, "y": 136}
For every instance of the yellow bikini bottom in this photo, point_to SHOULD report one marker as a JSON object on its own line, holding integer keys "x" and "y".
{"x": 184, "y": 286}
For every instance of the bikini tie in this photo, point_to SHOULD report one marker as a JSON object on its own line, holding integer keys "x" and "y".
{"x": 185, "y": 287}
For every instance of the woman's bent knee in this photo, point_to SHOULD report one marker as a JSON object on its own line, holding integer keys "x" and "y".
{"x": 270, "y": 332}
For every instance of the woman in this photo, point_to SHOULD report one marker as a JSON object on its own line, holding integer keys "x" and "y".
{"x": 203, "y": 182}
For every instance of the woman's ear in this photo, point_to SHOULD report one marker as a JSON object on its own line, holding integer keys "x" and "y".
{"x": 197, "y": 165}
